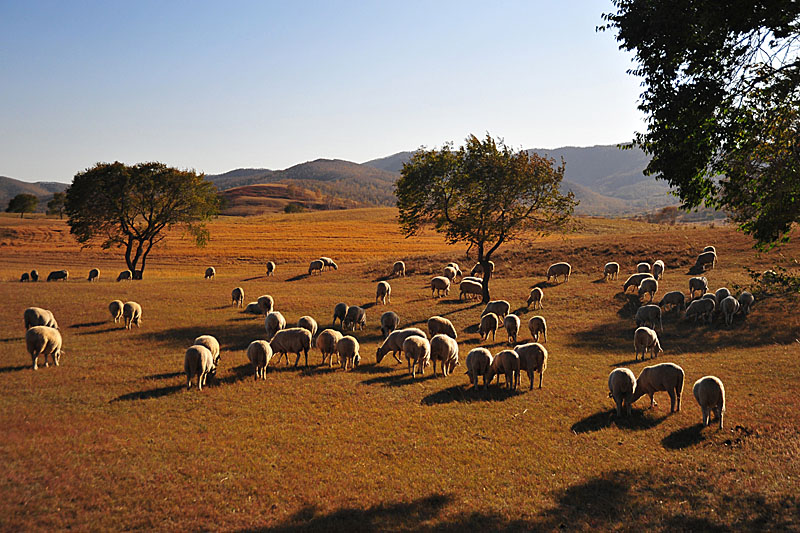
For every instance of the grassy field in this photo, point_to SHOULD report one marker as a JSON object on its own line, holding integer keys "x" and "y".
{"x": 111, "y": 440}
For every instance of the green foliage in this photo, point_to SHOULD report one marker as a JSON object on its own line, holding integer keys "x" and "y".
{"x": 22, "y": 203}
{"x": 56, "y": 205}
{"x": 722, "y": 103}
{"x": 293, "y": 207}
{"x": 773, "y": 282}
{"x": 131, "y": 206}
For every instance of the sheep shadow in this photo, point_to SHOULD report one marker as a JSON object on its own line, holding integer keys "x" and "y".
{"x": 168, "y": 375}
{"x": 383, "y": 278}
{"x": 368, "y": 305}
{"x": 239, "y": 373}
{"x": 694, "y": 270}
{"x": 631, "y": 362}
{"x": 630, "y": 304}
{"x": 12, "y": 339}
{"x": 87, "y": 324}
{"x": 116, "y": 327}
{"x": 398, "y": 380}
{"x": 297, "y": 277}
{"x": 255, "y": 278}
{"x": 374, "y": 368}
{"x": 7, "y": 369}
{"x": 684, "y": 438}
{"x": 472, "y": 330}
{"x": 468, "y": 394}
{"x": 604, "y": 419}
{"x": 160, "y": 392}
{"x": 542, "y": 285}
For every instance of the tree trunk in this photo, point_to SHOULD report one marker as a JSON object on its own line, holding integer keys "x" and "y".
{"x": 487, "y": 275}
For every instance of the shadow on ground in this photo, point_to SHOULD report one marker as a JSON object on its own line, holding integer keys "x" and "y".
{"x": 7, "y": 369}
{"x": 87, "y": 324}
{"x": 603, "y": 419}
{"x": 468, "y": 394}
{"x": 684, "y": 437}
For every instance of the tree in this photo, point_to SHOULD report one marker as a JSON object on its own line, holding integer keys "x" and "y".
{"x": 721, "y": 97}
{"x": 484, "y": 194}
{"x": 22, "y": 203}
{"x": 132, "y": 206}
{"x": 56, "y": 205}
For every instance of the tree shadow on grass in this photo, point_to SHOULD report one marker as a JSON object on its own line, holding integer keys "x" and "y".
{"x": 7, "y": 369}
{"x": 467, "y": 394}
{"x": 603, "y": 419}
{"x": 684, "y": 437}
{"x": 87, "y": 324}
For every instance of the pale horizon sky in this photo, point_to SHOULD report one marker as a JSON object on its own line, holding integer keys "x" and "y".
{"x": 216, "y": 86}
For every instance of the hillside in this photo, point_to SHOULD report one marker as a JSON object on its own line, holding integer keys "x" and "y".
{"x": 259, "y": 199}
{"x": 10, "y": 187}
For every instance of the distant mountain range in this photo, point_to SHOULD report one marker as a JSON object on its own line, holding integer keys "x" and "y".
{"x": 10, "y": 187}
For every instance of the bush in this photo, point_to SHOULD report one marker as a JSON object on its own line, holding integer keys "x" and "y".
{"x": 293, "y": 207}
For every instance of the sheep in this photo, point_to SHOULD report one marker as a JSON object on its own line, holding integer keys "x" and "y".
{"x": 438, "y": 324}
{"x": 511, "y": 323}
{"x": 347, "y": 347}
{"x": 294, "y": 340}
{"x": 506, "y": 363}
{"x": 212, "y": 344}
{"x": 132, "y": 313}
{"x": 266, "y": 303}
{"x": 473, "y": 279}
{"x": 115, "y": 308}
{"x": 439, "y": 285}
{"x": 43, "y": 340}
{"x": 383, "y": 292}
{"x": 94, "y": 274}
{"x": 710, "y": 395}
{"x": 634, "y": 280}
{"x": 24, "y": 277}
{"x": 645, "y": 339}
{"x": 746, "y": 302}
{"x": 259, "y": 353}
{"x": 315, "y": 266}
{"x": 326, "y": 342}
{"x": 648, "y": 286}
{"x": 399, "y": 269}
{"x": 125, "y": 275}
{"x": 273, "y": 323}
{"x": 329, "y": 263}
{"x": 198, "y": 362}
{"x": 479, "y": 363}
{"x": 559, "y": 269}
{"x": 703, "y": 307}
{"x": 339, "y": 311}
{"x": 355, "y": 316}
{"x": 451, "y": 272}
{"x": 610, "y": 271}
{"x": 499, "y": 307}
{"x": 729, "y": 307}
{"x": 308, "y": 322}
{"x": 720, "y": 294}
{"x": 674, "y": 298}
{"x": 210, "y": 273}
{"x": 478, "y": 269}
{"x": 532, "y": 358}
{"x": 237, "y": 297}
{"x": 705, "y": 259}
{"x": 536, "y": 297}
{"x": 699, "y": 283}
{"x": 57, "y": 275}
{"x": 394, "y": 343}
{"x": 643, "y": 268}
{"x": 36, "y": 316}
{"x": 270, "y": 268}
{"x": 648, "y": 314}
{"x": 663, "y": 377}
{"x": 445, "y": 349}
{"x": 455, "y": 266}
{"x": 34, "y": 275}
{"x": 622, "y": 387}
{"x": 536, "y": 325}
{"x": 658, "y": 269}
{"x": 489, "y": 324}
{"x": 470, "y": 288}
{"x": 389, "y": 323}
{"x": 710, "y": 249}
{"x": 253, "y": 308}
{"x": 418, "y": 354}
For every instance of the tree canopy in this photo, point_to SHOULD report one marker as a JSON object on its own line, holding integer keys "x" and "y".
{"x": 132, "y": 206}
{"x": 22, "y": 203}
{"x": 483, "y": 194}
{"x": 721, "y": 95}
{"x": 56, "y": 204}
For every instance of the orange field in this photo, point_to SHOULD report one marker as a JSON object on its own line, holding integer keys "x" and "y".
{"x": 112, "y": 440}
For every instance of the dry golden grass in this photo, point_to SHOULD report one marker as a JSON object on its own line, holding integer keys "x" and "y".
{"x": 111, "y": 440}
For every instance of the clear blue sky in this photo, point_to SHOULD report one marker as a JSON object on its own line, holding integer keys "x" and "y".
{"x": 228, "y": 84}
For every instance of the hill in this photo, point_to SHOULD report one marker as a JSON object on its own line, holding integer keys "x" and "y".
{"x": 10, "y": 187}
{"x": 249, "y": 200}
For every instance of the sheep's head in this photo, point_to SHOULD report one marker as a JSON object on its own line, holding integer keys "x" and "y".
{"x": 379, "y": 355}
{"x": 356, "y": 360}
{"x": 57, "y": 356}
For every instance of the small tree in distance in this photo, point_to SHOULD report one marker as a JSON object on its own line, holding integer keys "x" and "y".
{"x": 22, "y": 203}
{"x": 56, "y": 205}
{"x": 484, "y": 194}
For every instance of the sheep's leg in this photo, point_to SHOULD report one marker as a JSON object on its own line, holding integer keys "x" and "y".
{"x": 652, "y": 401}
{"x": 719, "y": 416}
{"x": 434, "y": 368}
{"x": 296, "y": 361}
{"x": 541, "y": 375}
{"x": 188, "y": 381}
{"x": 672, "y": 398}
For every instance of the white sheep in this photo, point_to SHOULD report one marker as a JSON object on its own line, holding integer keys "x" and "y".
{"x": 445, "y": 349}
{"x": 489, "y": 324}
{"x": 674, "y": 298}
{"x": 212, "y": 344}
{"x": 355, "y": 316}
{"x": 43, "y": 340}
{"x": 699, "y": 283}
{"x": 710, "y": 395}
{"x": 648, "y": 286}
{"x": 94, "y": 274}
{"x": 720, "y": 294}
{"x": 394, "y": 343}
{"x": 418, "y": 354}
{"x": 399, "y": 269}
{"x": 383, "y": 293}
{"x": 621, "y": 387}
{"x": 132, "y": 313}
{"x": 649, "y": 314}
{"x": 705, "y": 259}
{"x": 643, "y": 267}
{"x": 326, "y": 342}
{"x": 347, "y": 347}
{"x": 511, "y": 323}
{"x": 536, "y": 325}
{"x": 273, "y": 323}
{"x": 315, "y": 266}
{"x": 450, "y": 273}
{"x": 455, "y": 267}
{"x": 658, "y": 269}
{"x": 389, "y": 323}
{"x": 701, "y": 308}
{"x": 308, "y": 322}
{"x": 210, "y": 273}
{"x": 499, "y": 307}
{"x": 291, "y": 340}
{"x": 36, "y": 316}
{"x": 198, "y": 362}
{"x": 439, "y": 285}
{"x": 469, "y": 288}
{"x": 473, "y": 279}
{"x": 610, "y": 271}
{"x": 536, "y": 297}
{"x": 329, "y": 263}
{"x": 559, "y": 269}
{"x": 532, "y": 358}
{"x": 339, "y": 311}
{"x": 259, "y": 353}
{"x": 634, "y": 280}
{"x": 666, "y": 377}
{"x": 252, "y": 308}
{"x": 710, "y": 249}
{"x": 125, "y": 275}
{"x": 115, "y": 308}
{"x": 729, "y": 306}
{"x": 478, "y": 362}
{"x": 507, "y": 364}
{"x": 58, "y": 275}
{"x": 746, "y": 302}
{"x": 237, "y": 297}
{"x": 478, "y": 269}
{"x": 645, "y": 339}
{"x": 270, "y": 268}
{"x": 266, "y": 303}
{"x": 438, "y": 324}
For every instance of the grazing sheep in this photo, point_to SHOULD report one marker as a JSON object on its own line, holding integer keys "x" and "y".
{"x": 273, "y": 323}
{"x": 125, "y": 275}
{"x": 710, "y": 395}
{"x": 664, "y": 377}
{"x": 701, "y": 308}
{"x": 478, "y": 269}
{"x": 648, "y": 286}
{"x": 270, "y": 268}
{"x": 24, "y": 277}
{"x": 199, "y": 362}
{"x": 489, "y": 324}
{"x": 355, "y": 316}
{"x": 449, "y": 273}
{"x": 115, "y": 308}
{"x": 658, "y": 269}
{"x": 470, "y": 288}
{"x": 532, "y": 358}
{"x": 455, "y": 266}
{"x": 710, "y": 249}
{"x": 36, "y": 316}
{"x": 253, "y": 308}
{"x": 610, "y": 271}
{"x": 445, "y": 349}
{"x": 536, "y": 297}
{"x": 326, "y": 342}
{"x": 210, "y": 273}
{"x": 291, "y": 340}
{"x": 746, "y": 302}
{"x": 511, "y": 323}
{"x": 643, "y": 268}
{"x": 559, "y": 269}
{"x": 329, "y": 263}
{"x": 645, "y": 339}
{"x": 720, "y": 294}
{"x": 729, "y": 307}
{"x": 315, "y": 266}
{"x": 339, "y": 311}
{"x": 399, "y": 269}
{"x": 499, "y": 307}
{"x": 705, "y": 259}
{"x": 237, "y": 297}
{"x": 212, "y": 344}
{"x": 266, "y": 304}
{"x": 132, "y": 313}
{"x": 439, "y": 285}
{"x": 259, "y": 353}
{"x": 675, "y": 298}
{"x": 506, "y": 363}
{"x": 699, "y": 283}
{"x": 389, "y": 323}
{"x": 34, "y": 275}
{"x": 94, "y": 274}
{"x": 57, "y": 275}
{"x": 473, "y": 279}
{"x": 634, "y": 280}
{"x": 347, "y": 347}
{"x": 649, "y": 314}
{"x": 308, "y": 322}
{"x": 479, "y": 363}
{"x": 394, "y": 343}
{"x": 418, "y": 354}
{"x": 621, "y": 387}
{"x": 42, "y": 340}
{"x": 536, "y": 325}
{"x": 438, "y": 324}
{"x": 383, "y": 293}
